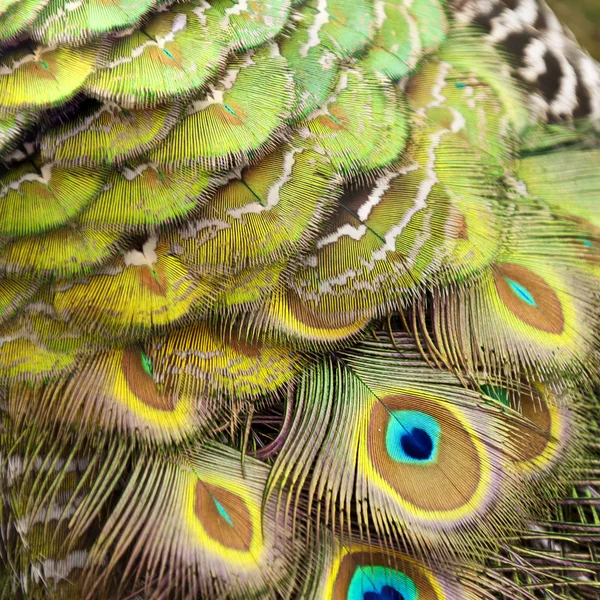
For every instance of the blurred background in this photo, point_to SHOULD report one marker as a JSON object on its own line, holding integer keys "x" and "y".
{"x": 582, "y": 17}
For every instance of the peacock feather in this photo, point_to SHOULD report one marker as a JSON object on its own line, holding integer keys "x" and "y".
{"x": 299, "y": 299}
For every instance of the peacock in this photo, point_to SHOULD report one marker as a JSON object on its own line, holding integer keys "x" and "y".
{"x": 299, "y": 300}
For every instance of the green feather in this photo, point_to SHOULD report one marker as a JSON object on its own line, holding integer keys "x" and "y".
{"x": 162, "y": 61}
{"x": 37, "y": 197}
{"x": 17, "y": 15}
{"x": 234, "y": 119}
{"x": 79, "y": 22}
{"x": 107, "y": 134}
{"x": 44, "y": 77}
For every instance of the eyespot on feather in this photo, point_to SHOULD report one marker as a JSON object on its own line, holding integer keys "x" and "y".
{"x": 453, "y": 466}
{"x": 361, "y": 572}
{"x": 529, "y": 298}
{"x": 206, "y": 524}
{"x": 224, "y": 515}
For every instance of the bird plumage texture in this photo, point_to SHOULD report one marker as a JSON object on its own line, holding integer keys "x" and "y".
{"x": 298, "y": 299}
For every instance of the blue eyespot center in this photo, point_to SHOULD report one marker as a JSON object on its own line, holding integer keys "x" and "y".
{"x": 417, "y": 444}
{"x": 381, "y": 583}
{"x": 146, "y": 364}
{"x": 223, "y": 512}
{"x": 412, "y": 437}
{"x": 521, "y": 292}
{"x": 387, "y": 593}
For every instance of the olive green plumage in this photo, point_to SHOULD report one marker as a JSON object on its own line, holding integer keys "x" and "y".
{"x": 298, "y": 299}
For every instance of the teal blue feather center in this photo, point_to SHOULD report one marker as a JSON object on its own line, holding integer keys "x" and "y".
{"x": 147, "y": 364}
{"x": 412, "y": 437}
{"x": 521, "y": 292}
{"x": 223, "y": 512}
{"x": 381, "y": 583}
